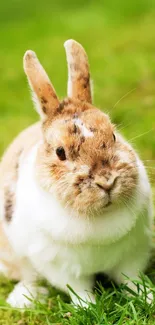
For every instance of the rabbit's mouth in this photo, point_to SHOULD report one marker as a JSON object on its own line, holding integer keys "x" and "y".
{"x": 90, "y": 201}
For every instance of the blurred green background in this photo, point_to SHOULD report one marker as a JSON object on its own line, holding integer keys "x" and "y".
{"x": 119, "y": 37}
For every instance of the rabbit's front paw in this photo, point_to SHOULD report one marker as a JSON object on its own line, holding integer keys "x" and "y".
{"x": 83, "y": 299}
{"x": 22, "y": 295}
{"x": 149, "y": 298}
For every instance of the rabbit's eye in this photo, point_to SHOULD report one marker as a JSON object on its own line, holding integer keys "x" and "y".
{"x": 61, "y": 153}
{"x": 114, "y": 137}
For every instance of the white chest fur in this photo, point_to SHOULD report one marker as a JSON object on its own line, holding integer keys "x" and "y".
{"x": 49, "y": 235}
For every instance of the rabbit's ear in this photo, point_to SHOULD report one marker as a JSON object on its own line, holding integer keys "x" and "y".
{"x": 44, "y": 95}
{"x": 78, "y": 71}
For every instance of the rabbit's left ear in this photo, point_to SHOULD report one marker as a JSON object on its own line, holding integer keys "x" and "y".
{"x": 44, "y": 95}
{"x": 78, "y": 72}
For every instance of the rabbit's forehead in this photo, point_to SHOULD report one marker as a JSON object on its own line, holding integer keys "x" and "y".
{"x": 88, "y": 125}
{"x": 85, "y": 131}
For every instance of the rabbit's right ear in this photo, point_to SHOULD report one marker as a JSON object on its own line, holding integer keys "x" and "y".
{"x": 44, "y": 95}
{"x": 79, "y": 85}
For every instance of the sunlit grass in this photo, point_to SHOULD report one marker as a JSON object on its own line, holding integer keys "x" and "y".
{"x": 113, "y": 306}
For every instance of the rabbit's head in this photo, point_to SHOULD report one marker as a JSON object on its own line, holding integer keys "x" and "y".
{"x": 82, "y": 159}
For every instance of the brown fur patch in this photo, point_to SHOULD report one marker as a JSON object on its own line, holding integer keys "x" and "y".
{"x": 43, "y": 100}
{"x": 9, "y": 193}
{"x": 8, "y": 205}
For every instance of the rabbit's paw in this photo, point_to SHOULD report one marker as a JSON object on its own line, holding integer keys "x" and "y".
{"x": 149, "y": 298}
{"x": 22, "y": 295}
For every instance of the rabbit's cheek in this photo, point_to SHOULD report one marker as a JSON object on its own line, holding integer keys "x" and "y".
{"x": 124, "y": 188}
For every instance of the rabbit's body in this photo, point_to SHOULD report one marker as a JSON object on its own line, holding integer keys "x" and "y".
{"x": 57, "y": 214}
{"x": 64, "y": 248}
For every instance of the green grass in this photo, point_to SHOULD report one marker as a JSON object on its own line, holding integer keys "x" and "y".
{"x": 113, "y": 306}
{"x": 120, "y": 40}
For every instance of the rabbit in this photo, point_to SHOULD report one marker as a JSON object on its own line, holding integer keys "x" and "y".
{"x": 75, "y": 198}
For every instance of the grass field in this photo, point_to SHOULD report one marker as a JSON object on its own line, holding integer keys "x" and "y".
{"x": 120, "y": 40}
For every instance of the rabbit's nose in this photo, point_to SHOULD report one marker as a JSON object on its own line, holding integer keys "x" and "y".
{"x": 104, "y": 183}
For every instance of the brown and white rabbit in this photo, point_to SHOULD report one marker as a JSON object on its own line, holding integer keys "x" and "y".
{"x": 75, "y": 198}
